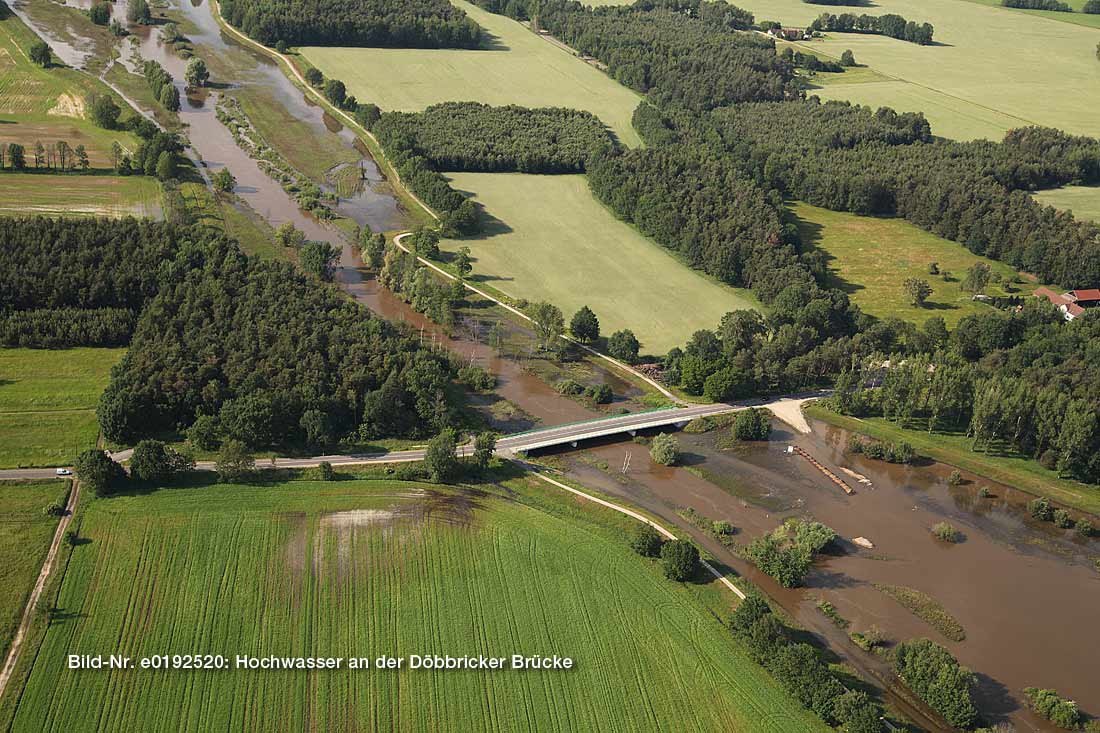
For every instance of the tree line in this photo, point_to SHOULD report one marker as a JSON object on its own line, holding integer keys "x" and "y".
{"x": 58, "y": 157}
{"x": 469, "y": 136}
{"x": 378, "y": 23}
{"x": 891, "y": 25}
{"x": 697, "y": 58}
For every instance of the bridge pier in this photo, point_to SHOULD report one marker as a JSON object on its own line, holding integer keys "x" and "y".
{"x": 573, "y": 443}
{"x": 633, "y": 433}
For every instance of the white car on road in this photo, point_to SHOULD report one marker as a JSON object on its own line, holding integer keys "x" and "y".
{"x": 64, "y": 472}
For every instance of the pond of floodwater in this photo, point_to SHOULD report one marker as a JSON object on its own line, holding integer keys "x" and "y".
{"x": 1026, "y": 592}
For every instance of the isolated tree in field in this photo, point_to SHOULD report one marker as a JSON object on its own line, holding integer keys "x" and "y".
{"x": 319, "y": 259}
{"x": 81, "y": 157}
{"x": 16, "y": 157}
{"x": 916, "y": 291}
{"x": 665, "y": 450}
{"x": 485, "y": 443}
{"x": 848, "y": 58}
{"x": 584, "y": 325}
{"x": 137, "y": 11}
{"x": 549, "y": 323}
{"x": 225, "y": 182}
{"x": 977, "y": 277}
{"x": 196, "y": 74}
{"x": 752, "y": 424}
{"x": 234, "y": 462}
{"x": 441, "y": 457}
{"x": 624, "y": 346}
{"x": 335, "y": 92}
{"x": 155, "y": 462}
{"x": 98, "y": 472}
{"x": 104, "y": 111}
{"x": 646, "y": 541}
{"x": 679, "y": 560}
{"x": 314, "y": 77}
{"x": 287, "y": 235}
{"x": 462, "y": 262}
{"x": 40, "y": 54}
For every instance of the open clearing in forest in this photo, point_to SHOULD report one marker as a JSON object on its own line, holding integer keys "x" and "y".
{"x": 518, "y": 67}
{"x": 66, "y": 194}
{"x": 550, "y": 239}
{"x": 870, "y": 258}
{"x": 1083, "y": 201}
{"x": 25, "y": 534}
{"x": 991, "y": 69}
{"x": 47, "y": 403}
{"x": 364, "y": 568}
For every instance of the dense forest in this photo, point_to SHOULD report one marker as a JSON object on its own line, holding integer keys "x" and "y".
{"x": 697, "y": 59}
{"x": 264, "y": 353}
{"x": 469, "y": 136}
{"x": 891, "y": 25}
{"x": 383, "y": 23}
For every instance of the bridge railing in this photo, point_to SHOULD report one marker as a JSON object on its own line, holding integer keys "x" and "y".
{"x": 590, "y": 420}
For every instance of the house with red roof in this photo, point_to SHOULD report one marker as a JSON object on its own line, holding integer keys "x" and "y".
{"x": 1073, "y": 303}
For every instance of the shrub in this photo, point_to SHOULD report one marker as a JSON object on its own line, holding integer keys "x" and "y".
{"x": 624, "y": 346}
{"x": 325, "y": 471}
{"x": 646, "y": 541}
{"x": 722, "y": 528}
{"x": 937, "y": 678}
{"x": 53, "y": 509}
{"x": 664, "y": 450}
{"x": 679, "y": 560}
{"x": 857, "y": 712}
{"x": 899, "y": 452}
{"x": 752, "y": 424}
{"x": 100, "y": 13}
{"x": 234, "y": 462}
{"x": 1061, "y": 518}
{"x": 787, "y": 553}
{"x": 946, "y": 532}
{"x": 1084, "y": 528}
{"x": 854, "y": 444}
{"x": 570, "y": 387}
{"x": 476, "y": 378}
{"x": 747, "y": 613}
{"x": 984, "y": 493}
{"x": 1041, "y": 509}
{"x": 1061, "y": 712}
{"x": 154, "y": 462}
{"x": 314, "y": 77}
{"x": 600, "y": 394}
{"x": 955, "y": 479}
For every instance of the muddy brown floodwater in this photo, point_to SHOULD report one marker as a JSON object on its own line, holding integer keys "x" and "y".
{"x": 1026, "y": 593}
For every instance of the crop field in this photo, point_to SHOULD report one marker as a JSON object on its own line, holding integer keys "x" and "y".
{"x": 47, "y": 403}
{"x": 1077, "y": 18}
{"x": 25, "y": 533}
{"x": 870, "y": 258}
{"x": 554, "y": 241}
{"x": 991, "y": 69}
{"x": 1083, "y": 201}
{"x": 518, "y": 67}
{"x": 68, "y": 194}
{"x": 365, "y": 568}
{"x": 48, "y": 105}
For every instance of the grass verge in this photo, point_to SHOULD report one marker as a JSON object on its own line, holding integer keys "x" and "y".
{"x": 926, "y": 608}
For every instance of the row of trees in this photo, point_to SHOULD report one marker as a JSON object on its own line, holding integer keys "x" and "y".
{"x": 469, "y": 136}
{"x": 384, "y": 23}
{"x": 417, "y": 286}
{"x": 891, "y": 25}
{"x": 57, "y": 157}
{"x": 698, "y": 57}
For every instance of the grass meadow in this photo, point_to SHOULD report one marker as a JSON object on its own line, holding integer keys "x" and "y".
{"x": 552, "y": 240}
{"x": 518, "y": 67}
{"x": 363, "y": 568}
{"x": 47, "y": 403}
{"x": 1083, "y": 201}
{"x": 25, "y": 534}
{"x": 871, "y": 257}
{"x": 991, "y": 69}
{"x": 67, "y": 194}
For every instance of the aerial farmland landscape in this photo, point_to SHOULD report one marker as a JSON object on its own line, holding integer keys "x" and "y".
{"x": 549, "y": 365}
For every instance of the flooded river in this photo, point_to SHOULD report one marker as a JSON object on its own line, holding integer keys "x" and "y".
{"x": 1027, "y": 594}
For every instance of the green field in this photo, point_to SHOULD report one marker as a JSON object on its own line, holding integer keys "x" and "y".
{"x": 71, "y": 193}
{"x": 364, "y": 568}
{"x": 992, "y": 68}
{"x": 47, "y": 403}
{"x": 520, "y": 68}
{"x": 554, "y": 241}
{"x": 1077, "y": 18}
{"x": 25, "y": 533}
{"x": 953, "y": 449}
{"x": 1083, "y": 201}
{"x": 870, "y": 258}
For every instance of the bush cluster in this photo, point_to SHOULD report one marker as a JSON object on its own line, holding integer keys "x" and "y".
{"x": 787, "y": 552}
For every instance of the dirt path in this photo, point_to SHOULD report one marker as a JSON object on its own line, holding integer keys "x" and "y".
{"x": 39, "y": 587}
